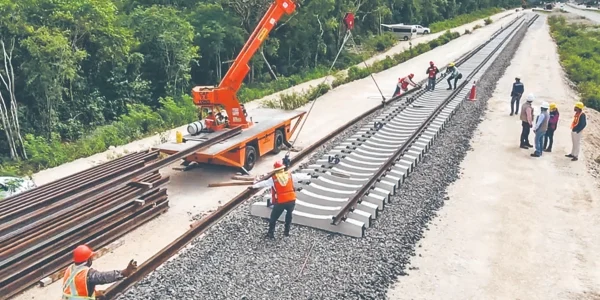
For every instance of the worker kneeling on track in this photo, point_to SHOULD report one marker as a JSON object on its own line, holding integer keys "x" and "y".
{"x": 79, "y": 282}
{"x": 403, "y": 83}
{"x": 454, "y": 74}
{"x": 283, "y": 195}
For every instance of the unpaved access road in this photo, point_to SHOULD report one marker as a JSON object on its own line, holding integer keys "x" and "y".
{"x": 515, "y": 227}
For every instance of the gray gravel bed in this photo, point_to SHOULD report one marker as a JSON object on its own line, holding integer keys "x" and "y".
{"x": 235, "y": 261}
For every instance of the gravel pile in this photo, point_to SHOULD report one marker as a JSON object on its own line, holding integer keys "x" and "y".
{"x": 235, "y": 261}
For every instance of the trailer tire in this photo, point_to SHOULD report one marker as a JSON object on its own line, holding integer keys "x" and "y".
{"x": 250, "y": 158}
{"x": 278, "y": 141}
{"x": 406, "y": 38}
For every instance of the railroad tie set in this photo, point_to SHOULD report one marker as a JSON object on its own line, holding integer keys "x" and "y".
{"x": 358, "y": 177}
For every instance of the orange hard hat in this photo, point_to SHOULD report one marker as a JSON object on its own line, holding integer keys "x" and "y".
{"x": 411, "y": 75}
{"x": 82, "y": 253}
{"x": 278, "y": 165}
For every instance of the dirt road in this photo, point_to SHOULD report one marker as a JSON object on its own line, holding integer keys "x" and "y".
{"x": 515, "y": 227}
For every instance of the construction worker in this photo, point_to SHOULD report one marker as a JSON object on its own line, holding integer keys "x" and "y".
{"x": 577, "y": 126}
{"x": 552, "y": 125}
{"x": 403, "y": 83}
{"x": 526, "y": 121}
{"x": 541, "y": 126}
{"x": 454, "y": 74}
{"x": 79, "y": 281}
{"x": 431, "y": 72}
{"x": 515, "y": 94}
{"x": 283, "y": 195}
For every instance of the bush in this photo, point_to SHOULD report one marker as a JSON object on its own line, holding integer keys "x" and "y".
{"x": 578, "y": 50}
{"x": 463, "y": 19}
{"x": 382, "y": 42}
{"x": 467, "y": 31}
{"x": 141, "y": 121}
{"x": 487, "y": 21}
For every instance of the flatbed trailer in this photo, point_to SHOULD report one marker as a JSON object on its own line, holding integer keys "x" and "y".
{"x": 272, "y": 129}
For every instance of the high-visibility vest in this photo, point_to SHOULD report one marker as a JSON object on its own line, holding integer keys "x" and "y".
{"x": 403, "y": 83}
{"x": 284, "y": 188}
{"x": 576, "y": 119}
{"x": 75, "y": 283}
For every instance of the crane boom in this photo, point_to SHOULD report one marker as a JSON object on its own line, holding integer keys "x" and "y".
{"x": 226, "y": 93}
{"x": 239, "y": 69}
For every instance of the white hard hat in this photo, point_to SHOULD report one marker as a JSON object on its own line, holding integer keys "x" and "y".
{"x": 518, "y": 77}
{"x": 530, "y": 98}
{"x": 545, "y": 105}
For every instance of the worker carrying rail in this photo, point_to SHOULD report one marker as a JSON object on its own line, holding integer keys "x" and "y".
{"x": 79, "y": 282}
{"x": 283, "y": 195}
{"x": 403, "y": 83}
{"x": 454, "y": 74}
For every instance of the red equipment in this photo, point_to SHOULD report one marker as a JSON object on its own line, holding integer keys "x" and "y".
{"x": 349, "y": 20}
{"x": 219, "y": 109}
{"x": 211, "y": 99}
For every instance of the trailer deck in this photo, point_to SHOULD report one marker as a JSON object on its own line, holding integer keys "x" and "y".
{"x": 231, "y": 151}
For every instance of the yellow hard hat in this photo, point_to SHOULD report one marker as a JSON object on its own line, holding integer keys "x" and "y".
{"x": 451, "y": 64}
{"x": 579, "y": 105}
{"x": 552, "y": 106}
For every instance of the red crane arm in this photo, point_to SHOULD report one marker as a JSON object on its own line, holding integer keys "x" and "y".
{"x": 239, "y": 69}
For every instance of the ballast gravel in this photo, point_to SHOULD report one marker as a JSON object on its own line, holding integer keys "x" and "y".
{"x": 235, "y": 261}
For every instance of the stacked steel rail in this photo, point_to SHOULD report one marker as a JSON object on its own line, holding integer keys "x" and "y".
{"x": 40, "y": 228}
{"x": 379, "y": 157}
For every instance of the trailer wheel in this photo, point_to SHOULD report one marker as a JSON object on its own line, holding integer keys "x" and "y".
{"x": 278, "y": 142}
{"x": 250, "y": 159}
{"x": 406, "y": 38}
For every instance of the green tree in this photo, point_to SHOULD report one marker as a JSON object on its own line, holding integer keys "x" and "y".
{"x": 166, "y": 41}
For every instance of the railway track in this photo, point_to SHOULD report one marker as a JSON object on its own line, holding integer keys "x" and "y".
{"x": 375, "y": 161}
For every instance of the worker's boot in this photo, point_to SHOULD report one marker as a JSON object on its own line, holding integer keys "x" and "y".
{"x": 286, "y": 230}
{"x": 271, "y": 232}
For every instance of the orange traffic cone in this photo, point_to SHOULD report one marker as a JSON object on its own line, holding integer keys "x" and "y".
{"x": 473, "y": 94}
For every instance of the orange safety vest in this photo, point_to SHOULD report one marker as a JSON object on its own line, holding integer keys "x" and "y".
{"x": 576, "y": 119}
{"x": 283, "y": 190}
{"x": 75, "y": 283}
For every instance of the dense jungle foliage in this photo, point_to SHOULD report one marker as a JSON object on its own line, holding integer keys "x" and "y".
{"x": 579, "y": 50}
{"x": 80, "y": 75}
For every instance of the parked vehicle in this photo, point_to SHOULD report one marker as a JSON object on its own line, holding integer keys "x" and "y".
{"x": 403, "y": 32}
{"x": 10, "y": 186}
{"x": 423, "y": 30}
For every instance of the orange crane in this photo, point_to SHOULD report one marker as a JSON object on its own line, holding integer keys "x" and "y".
{"x": 266, "y": 131}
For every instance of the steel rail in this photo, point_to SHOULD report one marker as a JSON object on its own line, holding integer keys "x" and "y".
{"x": 369, "y": 185}
{"x": 76, "y": 182}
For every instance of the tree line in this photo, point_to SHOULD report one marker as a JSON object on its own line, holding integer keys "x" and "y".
{"x": 70, "y": 66}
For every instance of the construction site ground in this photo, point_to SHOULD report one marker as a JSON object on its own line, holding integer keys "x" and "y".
{"x": 189, "y": 196}
{"x": 514, "y": 226}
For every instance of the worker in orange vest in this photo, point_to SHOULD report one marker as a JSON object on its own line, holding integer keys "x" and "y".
{"x": 403, "y": 83}
{"x": 80, "y": 280}
{"x": 283, "y": 195}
